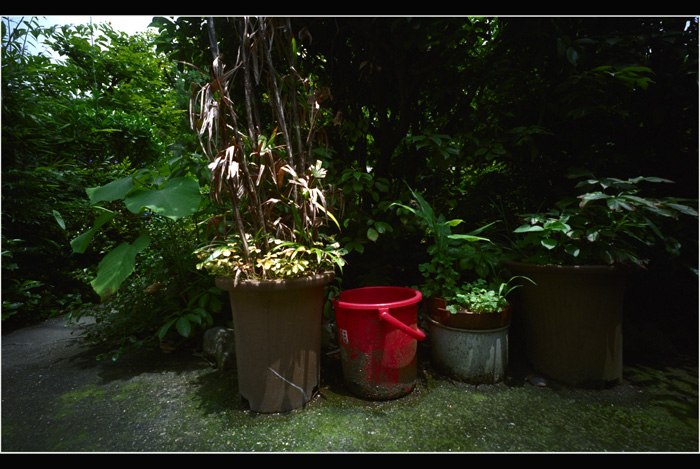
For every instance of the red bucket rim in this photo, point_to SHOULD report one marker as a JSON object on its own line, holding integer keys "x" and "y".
{"x": 414, "y": 298}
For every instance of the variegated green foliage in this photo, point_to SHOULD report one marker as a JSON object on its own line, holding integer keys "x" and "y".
{"x": 285, "y": 260}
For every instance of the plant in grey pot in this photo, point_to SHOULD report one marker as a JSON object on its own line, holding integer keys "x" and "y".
{"x": 268, "y": 249}
{"x": 466, "y": 299}
{"x": 577, "y": 253}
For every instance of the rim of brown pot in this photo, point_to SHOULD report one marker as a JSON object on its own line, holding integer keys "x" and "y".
{"x": 226, "y": 283}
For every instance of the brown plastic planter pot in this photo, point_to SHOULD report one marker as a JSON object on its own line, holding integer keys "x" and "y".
{"x": 277, "y": 325}
{"x": 573, "y": 322}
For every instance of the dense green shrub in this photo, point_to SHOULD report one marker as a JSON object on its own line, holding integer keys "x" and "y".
{"x": 102, "y": 110}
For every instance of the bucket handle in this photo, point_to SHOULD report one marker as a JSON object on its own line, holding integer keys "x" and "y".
{"x": 385, "y": 316}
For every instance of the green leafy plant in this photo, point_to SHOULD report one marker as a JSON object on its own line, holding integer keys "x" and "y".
{"x": 462, "y": 268}
{"x": 270, "y": 190}
{"x": 364, "y": 198}
{"x": 71, "y": 120}
{"x": 480, "y": 297}
{"x": 148, "y": 276}
{"x": 610, "y": 222}
{"x": 147, "y": 192}
{"x": 197, "y": 312}
{"x": 285, "y": 260}
{"x": 165, "y": 301}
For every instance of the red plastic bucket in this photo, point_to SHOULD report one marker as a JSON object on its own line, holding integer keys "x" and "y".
{"x": 378, "y": 337}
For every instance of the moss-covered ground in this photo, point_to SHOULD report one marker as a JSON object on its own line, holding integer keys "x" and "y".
{"x": 58, "y": 398}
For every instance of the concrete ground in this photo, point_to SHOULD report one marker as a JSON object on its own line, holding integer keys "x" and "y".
{"x": 56, "y": 397}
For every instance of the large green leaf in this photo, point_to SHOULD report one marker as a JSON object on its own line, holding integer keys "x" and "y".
{"x": 80, "y": 243}
{"x": 115, "y": 190}
{"x": 179, "y": 197}
{"x": 116, "y": 266}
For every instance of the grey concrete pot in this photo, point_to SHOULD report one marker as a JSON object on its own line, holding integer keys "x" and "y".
{"x": 470, "y": 347}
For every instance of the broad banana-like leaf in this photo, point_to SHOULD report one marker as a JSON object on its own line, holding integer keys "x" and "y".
{"x": 178, "y": 198}
{"x": 116, "y": 266}
{"x": 81, "y": 243}
{"x": 115, "y": 190}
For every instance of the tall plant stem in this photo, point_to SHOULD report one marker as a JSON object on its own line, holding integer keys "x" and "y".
{"x": 277, "y": 104}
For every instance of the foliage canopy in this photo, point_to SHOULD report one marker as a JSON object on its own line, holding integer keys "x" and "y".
{"x": 484, "y": 117}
